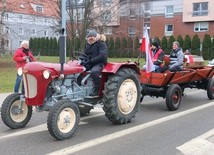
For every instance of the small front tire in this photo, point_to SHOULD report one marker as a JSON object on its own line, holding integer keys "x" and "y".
{"x": 15, "y": 114}
{"x": 63, "y": 120}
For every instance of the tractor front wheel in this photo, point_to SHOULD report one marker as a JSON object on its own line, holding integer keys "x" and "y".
{"x": 122, "y": 96}
{"x": 15, "y": 113}
{"x": 173, "y": 97}
{"x": 63, "y": 120}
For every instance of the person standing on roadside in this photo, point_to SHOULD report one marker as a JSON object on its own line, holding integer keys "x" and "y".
{"x": 22, "y": 56}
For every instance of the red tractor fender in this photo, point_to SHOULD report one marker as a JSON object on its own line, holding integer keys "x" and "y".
{"x": 112, "y": 68}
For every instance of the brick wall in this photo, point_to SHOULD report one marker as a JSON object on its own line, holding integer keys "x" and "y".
{"x": 180, "y": 28}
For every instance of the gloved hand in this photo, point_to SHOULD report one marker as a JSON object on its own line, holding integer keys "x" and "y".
{"x": 79, "y": 62}
{"x": 84, "y": 69}
{"x": 87, "y": 64}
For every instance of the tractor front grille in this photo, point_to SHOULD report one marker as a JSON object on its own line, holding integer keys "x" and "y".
{"x": 30, "y": 85}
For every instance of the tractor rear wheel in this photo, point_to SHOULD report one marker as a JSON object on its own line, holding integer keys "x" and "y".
{"x": 122, "y": 96}
{"x": 210, "y": 89}
{"x": 15, "y": 113}
{"x": 173, "y": 97}
{"x": 63, "y": 120}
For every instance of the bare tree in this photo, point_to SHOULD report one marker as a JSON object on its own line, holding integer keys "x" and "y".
{"x": 86, "y": 14}
{"x": 2, "y": 33}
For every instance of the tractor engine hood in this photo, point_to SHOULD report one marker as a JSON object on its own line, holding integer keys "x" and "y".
{"x": 38, "y": 75}
{"x": 71, "y": 67}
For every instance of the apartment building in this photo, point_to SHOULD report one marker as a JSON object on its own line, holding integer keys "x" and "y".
{"x": 173, "y": 17}
{"x": 24, "y": 19}
{"x": 117, "y": 18}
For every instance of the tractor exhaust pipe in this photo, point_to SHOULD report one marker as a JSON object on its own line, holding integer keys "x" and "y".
{"x": 62, "y": 39}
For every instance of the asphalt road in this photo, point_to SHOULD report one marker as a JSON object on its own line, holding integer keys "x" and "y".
{"x": 154, "y": 130}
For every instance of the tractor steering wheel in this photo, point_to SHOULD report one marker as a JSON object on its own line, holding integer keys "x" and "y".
{"x": 81, "y": 56}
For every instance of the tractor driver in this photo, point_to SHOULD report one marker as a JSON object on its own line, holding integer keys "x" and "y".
{"x": 176, "y": 58}
{"x": 96, "y": 49}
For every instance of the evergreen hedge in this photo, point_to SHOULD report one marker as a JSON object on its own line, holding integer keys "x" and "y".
{"x": 127, "y": 47}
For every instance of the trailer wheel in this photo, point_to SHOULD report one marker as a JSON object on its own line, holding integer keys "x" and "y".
{"x": 13, "y": 114}
{"x": 63, "y": 120}
{"x": 210, "y": 89}
{"x": 173, "y": 97}
{"x": 122, "y": 96}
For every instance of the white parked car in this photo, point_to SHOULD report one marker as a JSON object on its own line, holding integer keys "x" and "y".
{"x": 211, "y": 63}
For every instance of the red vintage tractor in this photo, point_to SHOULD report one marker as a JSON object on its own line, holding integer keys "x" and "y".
{"x": 123, "y": 86}
{"x": 67, "y": 98}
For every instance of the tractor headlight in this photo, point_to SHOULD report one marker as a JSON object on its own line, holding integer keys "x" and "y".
{"x": 46, "y": 74}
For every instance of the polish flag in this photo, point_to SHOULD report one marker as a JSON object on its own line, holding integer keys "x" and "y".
{"x": 189, "y": 58}
{"x": 145, "y": 47}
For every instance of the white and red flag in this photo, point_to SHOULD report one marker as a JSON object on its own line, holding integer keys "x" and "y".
{"x": 145, "y": 47}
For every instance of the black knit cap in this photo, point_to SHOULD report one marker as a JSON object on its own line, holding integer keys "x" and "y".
{"x": 91, "y": 33}
{"x": 155, "y": 43}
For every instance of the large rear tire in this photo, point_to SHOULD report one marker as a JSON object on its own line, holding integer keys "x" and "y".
{"x": 13, "y": 114}
{"x": 173, "y": 97}
{"x": 63, "y": 120}
{"x": 122, "y": 96}
{"x": 210, "y": 89}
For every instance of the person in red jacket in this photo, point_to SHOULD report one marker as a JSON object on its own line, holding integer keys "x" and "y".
{"x": 22, "y": 56}
{"x": 158, "y": 56}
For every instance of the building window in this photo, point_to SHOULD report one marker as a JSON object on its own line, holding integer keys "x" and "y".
{"x": 201, "y": 27}
{"x": 132, "y": 13}
{"x": 106, "y": 16}
{"x": 33, "y": 32}
{"x": 169, "y": 11}
{"x": 45, "y": 33}
{"x": 131, "y": 30}
{"x": 168, "y": 30}
{"x": 21, "y": 31}
{"x": 20, "y": 41}
{"x": 20, "y": 17}
{"x": 79, "y": 16}
{"x": 6, "y": 16}
{"x": 7, "y": 43}
{"x": 7, "y": 30}
{"x": 33, "y": 20}
{"x": 200, "y": 9}
{"x": 39, "y": 9}
{"x": 106, "y": 2}
{"x": 108, "y": 30}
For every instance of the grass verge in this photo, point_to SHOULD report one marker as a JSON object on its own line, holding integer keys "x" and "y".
{"x": 8, "y": 70}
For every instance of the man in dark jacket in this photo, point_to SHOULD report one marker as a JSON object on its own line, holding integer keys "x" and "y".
{"x": 176, "y": 58}
{"x": 96, "y": 49}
